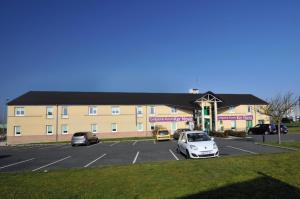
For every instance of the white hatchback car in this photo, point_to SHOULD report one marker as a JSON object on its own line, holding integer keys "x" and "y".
{"x": 197, "y": 144}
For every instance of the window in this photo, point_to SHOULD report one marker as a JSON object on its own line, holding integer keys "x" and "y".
{"x": 50, "y": 112}
{"x": 206, "y": 110}
{"x": 231, "y": 109}
{"x": 49, "y": 129}
{"x": 152, "y": 110}
{"x": 173, "y": 110}
{"x": 92, "y": 110}
{"x": 94, "y": 128}
{"x": 64, "y": 129}
{"x": 64, "y": 112}
{"x": 233, "y": 124}
{"x": 140, "y": 126}
{"x": 17, "y": 130}
{"x": 249, "y": 109}
{"x": 139, "y": 111}
{"x": 115, "y": 110}
{"x": 221, "y": 122}
{"x": 19, "y": 111}
{"x": 173, "y": 126}
{"x": 114, "y": 127}
{"x": 261, "y": 121}
{"x": 152, "y": 126}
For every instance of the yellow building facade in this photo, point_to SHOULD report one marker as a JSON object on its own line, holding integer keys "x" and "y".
{"x": 56, "y": 116}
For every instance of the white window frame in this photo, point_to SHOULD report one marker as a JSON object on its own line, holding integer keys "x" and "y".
{"x": 250, "y": 109}
{"x": 140, "y": 126}
{"x": 47, "y": 111}
{"x": 63, "y": 115}
{"x": 15, "y": 130}
{"x": 115, "y": 110}
{"x": 173, "y": 130}
{"x": 233, "y": 122}
{"x": 92, "y": 128}
{"x": 92, "y": 110}
{"x": 174, "y": 110}
{"x": 116, "y": 127}
{"x": 62, "y": 129}
{"x": 19, "y": 111}
{"x": 150, "y": 110}
{"x": 139, "y": 111}
{"x": 47, "y": 129}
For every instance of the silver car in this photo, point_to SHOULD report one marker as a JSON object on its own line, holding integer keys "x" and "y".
{"x": 84, "y": 138}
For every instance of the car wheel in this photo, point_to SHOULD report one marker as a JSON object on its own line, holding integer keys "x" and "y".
{"x": 177, "y": 150}
{"x": 87, "y": 143}
{"x": 98, "y": 140}
{"x": 266, "y": 133}
{"x": 73, "y": 145}
{"x": 187, "y": 154}
{"x": 250, "y": 133}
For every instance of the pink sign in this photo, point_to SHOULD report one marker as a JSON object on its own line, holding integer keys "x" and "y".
{"x": 170, "y": 119}
{"x": 237, "y": 117}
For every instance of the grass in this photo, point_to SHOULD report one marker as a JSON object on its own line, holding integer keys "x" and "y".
{"x": 294, "y": 129}
{"x": 258, "y": 176}
{"x": 291, "y": 144}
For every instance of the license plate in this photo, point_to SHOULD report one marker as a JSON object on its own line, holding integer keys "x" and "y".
{"x": 205, "y": 152}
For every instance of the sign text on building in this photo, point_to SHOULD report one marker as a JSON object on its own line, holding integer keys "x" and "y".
{"x": 236, "y": 117}
{"x": 170, "y": 119}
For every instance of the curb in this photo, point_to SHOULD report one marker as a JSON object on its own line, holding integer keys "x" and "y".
{"x": 283, "y": 147}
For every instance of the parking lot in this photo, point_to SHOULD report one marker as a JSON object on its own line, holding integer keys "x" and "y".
{"x": 53, "y": 156}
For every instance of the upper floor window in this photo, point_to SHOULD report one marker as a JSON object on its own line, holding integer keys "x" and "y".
{"x": 92, "y": 110}
{"x": 64, "y": 112}
{"x": 206, "y": 110}
{"x": 231, "y": 109}
{"x": 139, "y": 110}
{"x": 49, "y": 112}
{"x": 152, "y": 110}
{"x": 19, "y": 111}
{"x": 173, "y": 110}
{"x": 249, "y": 109}
{"x": 115, "y": 110}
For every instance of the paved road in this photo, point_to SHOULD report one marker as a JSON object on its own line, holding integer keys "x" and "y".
{"x": 54, "y": 156}
{"x": 285, "y": 137}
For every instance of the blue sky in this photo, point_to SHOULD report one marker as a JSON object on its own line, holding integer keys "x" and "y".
{"x": 227, "y": 46}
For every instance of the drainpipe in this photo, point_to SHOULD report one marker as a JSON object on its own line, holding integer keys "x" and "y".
{"x": 56, "y": 135}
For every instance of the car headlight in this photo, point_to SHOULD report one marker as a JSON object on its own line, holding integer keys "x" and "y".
{"x": 215, "y": 146}
{"x": 193, "y": 147}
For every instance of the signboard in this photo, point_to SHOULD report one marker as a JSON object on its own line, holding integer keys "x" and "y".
{"x": 236, "y": 117}
{"x": 170, "y": 119}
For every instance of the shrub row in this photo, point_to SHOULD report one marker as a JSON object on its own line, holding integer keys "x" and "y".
{"x": 235, "y": 133}
{"x": 218, "y": 134}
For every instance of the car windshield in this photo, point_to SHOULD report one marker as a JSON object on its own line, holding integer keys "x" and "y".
{"x": 163, "y": 133}
{"x": 196, "y": 137}
{"x": 79, "y": 134}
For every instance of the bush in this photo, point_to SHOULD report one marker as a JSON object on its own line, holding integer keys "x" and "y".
{"x": 218, "y": 134}
{"x": 236, "y": 133}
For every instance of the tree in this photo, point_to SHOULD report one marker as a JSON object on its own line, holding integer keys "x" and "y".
{"x": 278, "y": 107}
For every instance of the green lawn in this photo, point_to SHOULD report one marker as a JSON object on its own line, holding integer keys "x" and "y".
{"x": 292, "y": 144}
{"x": 258, "y": 176}
{"x": 294, "y": 129}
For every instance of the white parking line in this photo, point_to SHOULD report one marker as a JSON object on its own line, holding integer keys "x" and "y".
{"x": 154, "y": 142}
{"x": 242, "y": 150}
{"x": 134, "y": 143}
{"x": 95, "y": 160}
{"x": 114, "y": 143}
{"x": 51, "y": 163}
{"x": 93, "y": 145}
{"x": 68, "y": 146}
{"x": 173, "y": 154}
{"x": 16, "y": 163}
{"x": 136, "y": 156}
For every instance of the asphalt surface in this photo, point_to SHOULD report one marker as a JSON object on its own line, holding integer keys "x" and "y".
{"x": 274, "y": 137}
{"x": 54, "y": 156}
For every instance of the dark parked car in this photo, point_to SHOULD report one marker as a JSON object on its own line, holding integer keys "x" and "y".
{"x": 84, "y": 138}
{"x": 267, "y": 129}
{"x": 177, "y": 133}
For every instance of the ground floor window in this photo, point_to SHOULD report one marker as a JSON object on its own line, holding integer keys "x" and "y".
{"x": 114, "y": 127}
{"x": 17, "y": 130}
{"x": 233, "y": 124}
{"x": 49, "y": 129}
{"x": 152, "y": 126}
{"x": 173, "y": 126}
{"x": 249, "y": 124}
{"x": 140, "y": 126}
{"x": 94, "y": 128}
{"x": 64, "y": 129}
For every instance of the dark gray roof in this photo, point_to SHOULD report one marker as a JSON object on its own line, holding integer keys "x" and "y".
{"x": 184, "y": 100}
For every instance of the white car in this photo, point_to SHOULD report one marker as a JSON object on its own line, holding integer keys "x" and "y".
{"x": 197, "y": 144}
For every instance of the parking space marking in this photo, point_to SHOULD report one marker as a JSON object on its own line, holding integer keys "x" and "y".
{"x": 51, "y": 163}
{"x": 93, "y": 145}
{"x": 68, "y": 146}
{"x": 154, "y": 142}
{"x": 242, "y": 149}
{"x": 95, "y": 160}
{"x": 134, "y": 143}
{"x": 173, "y": 154}
{"x": 135, "y": 158}
{"x": 114, "y": 143}
{"x": 16, "y": 163}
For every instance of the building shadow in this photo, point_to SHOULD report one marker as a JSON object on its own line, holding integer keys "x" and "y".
{"x": 262, "y": 187}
